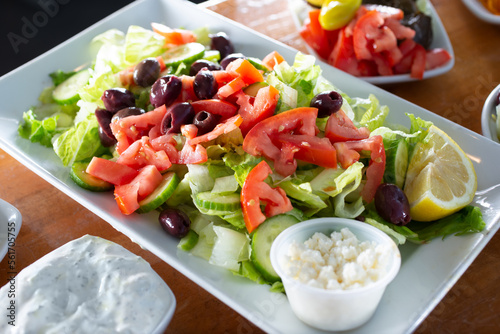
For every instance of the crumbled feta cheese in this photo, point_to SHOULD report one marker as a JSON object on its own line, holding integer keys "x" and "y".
{"x": 340, "y": 261}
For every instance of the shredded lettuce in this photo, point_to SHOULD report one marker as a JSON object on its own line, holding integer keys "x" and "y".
{"x": 38, "y": 131}
{"x": 79, "y": 142}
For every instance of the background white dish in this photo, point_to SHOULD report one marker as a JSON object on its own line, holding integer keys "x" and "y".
{"x": 427, "y": 272}
{"x": 299, "y": 11}
{"x": 481, "y": 12}
{"x": 10, "y": 224}
{"x": 488, "y": 116}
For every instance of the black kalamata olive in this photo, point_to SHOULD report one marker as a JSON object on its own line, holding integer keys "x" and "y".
{"x": 175, "y": 222}
{"x": 115, "y": 99}
{"x": 146, "y": 72}
{"x": 165, "y": 91}
{"x": 105, "y": 134}
{"x": 327, "y": 103}
{"x": 230, "y": 58}
{"x": 179, "y": 114}
{"x": 221, "y": 43}
{"x": 126, "y": 112}
{"x": 201, "y": 64}
{"x": 205, "y": 86}
{"x": 422, "y": 25}
{"x": 392, "y": 204}
{"x": 205, "y": 121}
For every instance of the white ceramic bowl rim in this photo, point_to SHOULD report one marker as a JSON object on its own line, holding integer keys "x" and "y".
{"x": 336, "y": 224}
{"x": 488, "y": 125}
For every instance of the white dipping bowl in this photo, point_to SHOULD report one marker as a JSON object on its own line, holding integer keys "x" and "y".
{"x": 333, "y": 310}
{"x": 489, "y": 116}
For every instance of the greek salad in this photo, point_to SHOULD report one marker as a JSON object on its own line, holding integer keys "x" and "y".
{"x": 227, "y": 148}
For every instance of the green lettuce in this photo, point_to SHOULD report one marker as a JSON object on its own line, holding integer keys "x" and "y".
{"x": 38, "y": 131}
{"x": 141, "y": 43}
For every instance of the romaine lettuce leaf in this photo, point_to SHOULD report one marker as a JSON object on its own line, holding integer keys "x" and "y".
{"x": 141, "y": 43}
{"x": 38, "y": 131}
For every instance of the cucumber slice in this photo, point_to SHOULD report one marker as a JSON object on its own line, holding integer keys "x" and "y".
{"x": 254, "y": 88}
{"x": 262, "y": 240}
{"x": 79, "y": 175}
{"x": 396, "y": 163}
{"x": 189, "y": 241}
{"x": 186, "y": 53}
{"x": 67, "y": 91}
{"x": 160, "y": 194}
{"x": 217, "y": 202}
{"x": 212, "y": 55}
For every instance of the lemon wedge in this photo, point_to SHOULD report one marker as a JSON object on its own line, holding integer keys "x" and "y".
{"x": 440, "y": 179}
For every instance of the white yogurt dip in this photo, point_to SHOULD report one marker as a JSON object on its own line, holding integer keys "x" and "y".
{"x": 89, "y": 285}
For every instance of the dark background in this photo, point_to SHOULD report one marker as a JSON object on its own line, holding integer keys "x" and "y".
{"x": 21, "y": 40}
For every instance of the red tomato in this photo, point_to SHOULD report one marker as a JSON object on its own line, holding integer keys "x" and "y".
{"x": 418, "y": 65}
{"x": 263, "y": 106}
{"x": 339, "y": 127}
{"x": 231, "y": 87}
{"x": 315, "y": 150}
{"x": 245, "y": 70}
{"x": 342, "y": 56}
{"x": 322, "y": 41}
{"x": 141, "y": 153}
{"x": 261, "y": 139}
{"x": 221, "y": 128}
{"x": 348, "y": 154}
{"x": 129, "y": 129}
{"x": 217, "y": 107}
{"x": 127, "y": 196}
{"x": 187, "y": 93}
{"x": 111, "y": 171}
{"x": 191, "y": 154}
{"x": 436, "y": 58}
{"x": 272, "y": 59}
{"x": 255, "y": 190}
{"x": 173, "y": 36}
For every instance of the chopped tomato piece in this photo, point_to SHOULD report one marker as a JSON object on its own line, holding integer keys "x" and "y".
{"x": 254, "y": 110}
{"x": 215, "y": 106}
{"x": 272, "y": 59}
{"x": 141, "y": 153}
{"x": 339, "y": 127}
{"x": 418, "y": 65}
{"x": 315, "y": 150}
{"x": 231, "y": 87}
{"x": 129, "y": 129}
{"x": 322, "y": 41}
{"x": 127, "y": 196}
{"x": 348, "y": 154}
{"x": 261, "y": 139}
{"x": 222, "y": 128}
{"x": 436, "y": 58}
{"x": 254, "y": 191}
{"x": 191, "y": 154}
{"x": 173, "y": 36}
{"x": 245, "y": 70}
{"x": 187, "y": 93}
{"x": 111, "y": 171}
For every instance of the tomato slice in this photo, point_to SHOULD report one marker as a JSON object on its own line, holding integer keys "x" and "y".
{"x": 315, "y": 150}
{"x": 129, "y": 129}
{"x": 111, "y": 171}
{"x": 272, "y": 59}
{"x": 215, "y": 106}
{"x": 339, "y": 127}
{"x": 261, "y": 141}
{"x": 229, "y": 125}
{"x": 263, "y": 106}
{"x": 343, "y": 56}
{"x": 141, "y": 153}
{"x": 245, "y": 70}
{"x": 436, "y": 58}
{"x": 231, "y": 87}
{"x": 173, "y": 36}
{"x": 322, "y": 41}
{"x": 418, "y": 65}
{"x": 348, "y": 154}
{"x": 255, "y": 190}
{"x": 127, "y": 196}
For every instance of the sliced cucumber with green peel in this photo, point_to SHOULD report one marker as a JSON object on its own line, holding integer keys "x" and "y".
{"x": 262, "y": 240}
{"x": 254, "y": 88}
{"x": 79, "y": 175}
{"x": 217, "y": 202}
{"x": 257, "y": 63}
{"x": 189, "y": 241}
{"x": 67, "y": 91}
{"x": 160, "y": 194}
{"x": 212, "y": 55}
{"x": 396, "y": 161}
{"x": 186, "y": 53}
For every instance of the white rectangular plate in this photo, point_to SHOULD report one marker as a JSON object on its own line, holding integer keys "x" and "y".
{"x": 427, "y": 272}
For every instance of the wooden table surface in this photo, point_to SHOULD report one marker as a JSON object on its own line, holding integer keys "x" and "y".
{"x": 51, "y": 218}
